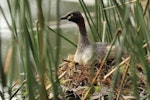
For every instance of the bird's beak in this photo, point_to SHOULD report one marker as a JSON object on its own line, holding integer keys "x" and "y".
{"x": 63, "y": 18}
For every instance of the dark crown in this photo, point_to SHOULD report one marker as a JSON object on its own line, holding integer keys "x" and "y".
{"x": 74, "y": 16}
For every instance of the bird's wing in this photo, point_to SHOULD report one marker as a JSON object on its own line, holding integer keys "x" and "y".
{"x": 101, "y": 49}
{"x": 104, "y": 47}
{"x": 113, "y": 51}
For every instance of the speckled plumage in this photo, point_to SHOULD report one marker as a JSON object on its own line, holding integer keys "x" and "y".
{"x": 88, "y": 52}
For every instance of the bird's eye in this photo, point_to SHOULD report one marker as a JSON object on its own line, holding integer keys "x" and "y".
{"x": 71, "y": 15}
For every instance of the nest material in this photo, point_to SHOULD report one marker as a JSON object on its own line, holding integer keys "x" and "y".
{"x": 79, "y": 75}
{"x": 77, "y": 79}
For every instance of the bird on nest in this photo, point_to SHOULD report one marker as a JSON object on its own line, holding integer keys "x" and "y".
{"x": 88, "y": 52}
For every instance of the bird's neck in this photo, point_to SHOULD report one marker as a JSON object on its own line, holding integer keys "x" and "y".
{"x": 83, "y": 37}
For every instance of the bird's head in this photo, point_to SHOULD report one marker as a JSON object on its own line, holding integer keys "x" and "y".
{"x": 74, "y": 16}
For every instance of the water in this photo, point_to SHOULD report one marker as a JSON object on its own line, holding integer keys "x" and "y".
{"x": 70, "y": 31}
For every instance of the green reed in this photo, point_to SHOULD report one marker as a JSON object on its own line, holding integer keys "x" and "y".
{"x": 134, "y": 24}
{"x": 33, "y": 53}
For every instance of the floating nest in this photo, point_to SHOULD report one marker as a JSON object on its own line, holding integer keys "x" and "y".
{"x": 77, "y": 80}
{"x": 101, "y": 81}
